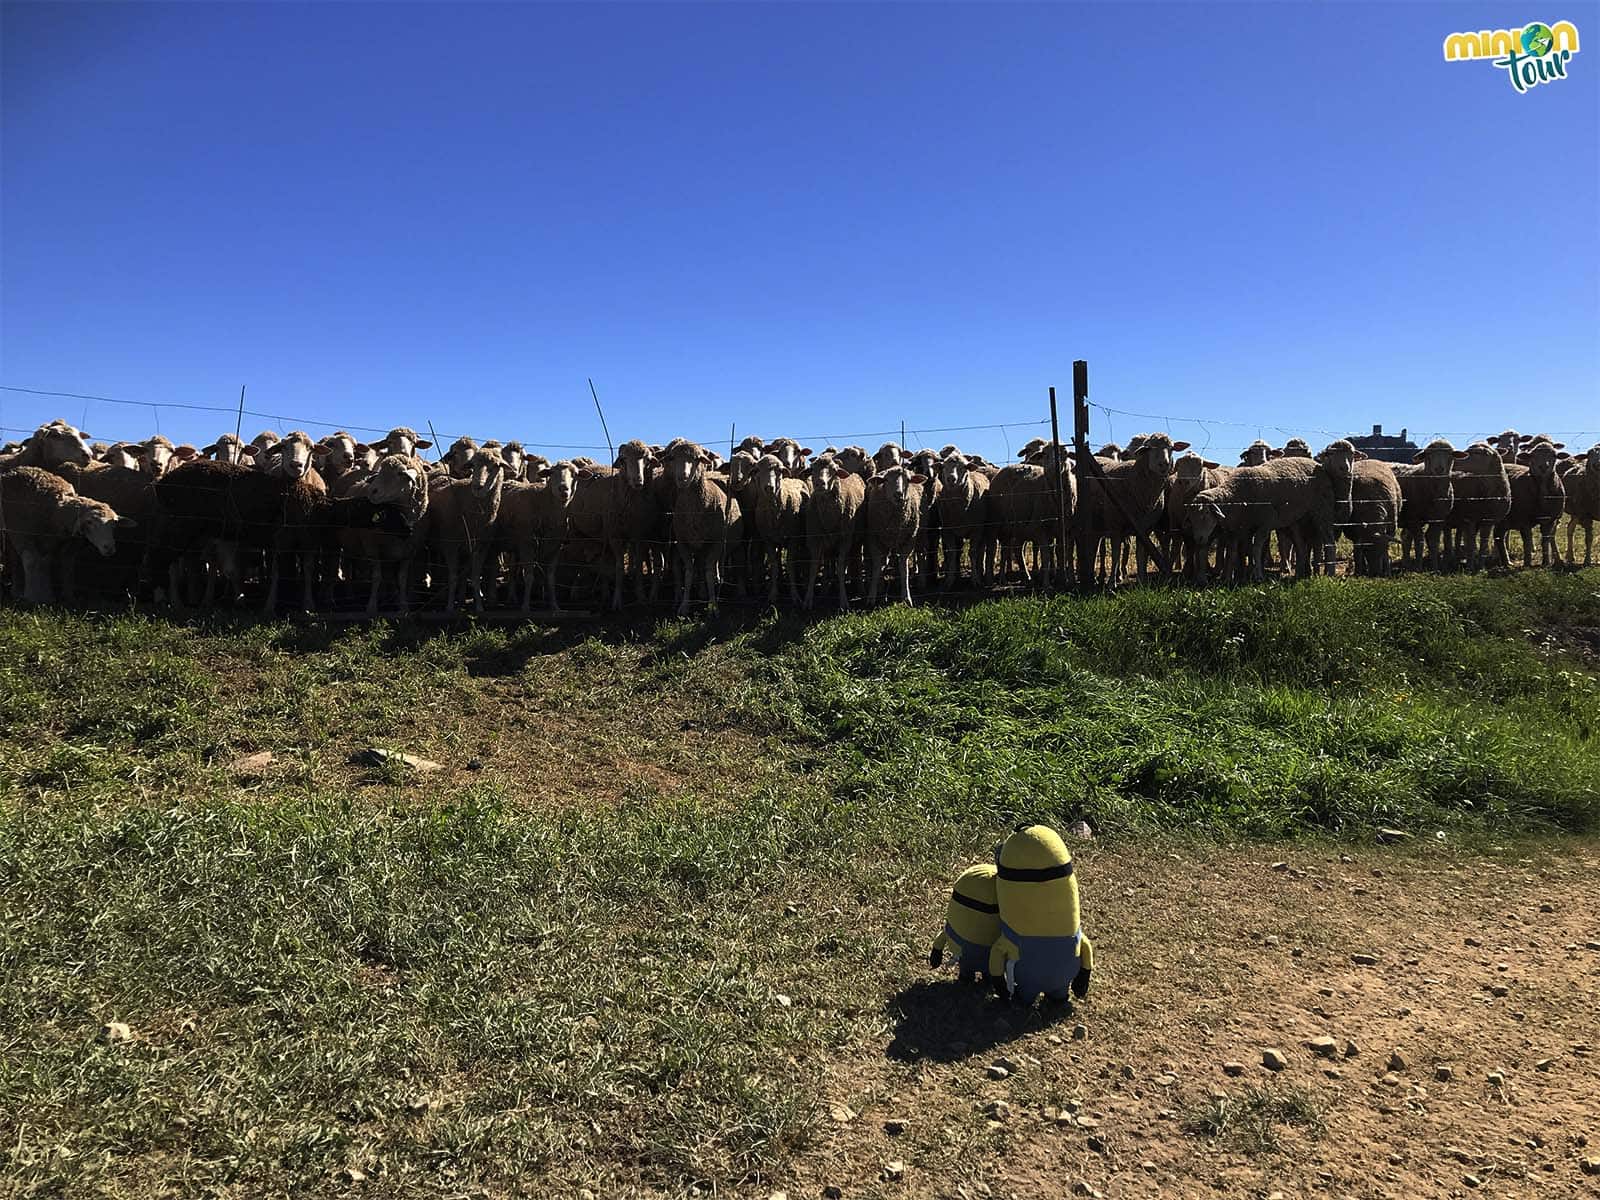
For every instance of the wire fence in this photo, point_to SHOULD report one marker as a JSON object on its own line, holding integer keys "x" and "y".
{"x": 1208, "y": 436}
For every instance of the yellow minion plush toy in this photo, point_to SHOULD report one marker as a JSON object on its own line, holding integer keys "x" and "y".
{"x": 1041, "y": 947}
{"x": 971, "y": 924}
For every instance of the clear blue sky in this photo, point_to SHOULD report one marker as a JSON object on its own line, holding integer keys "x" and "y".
{"x": 810, "y": 218}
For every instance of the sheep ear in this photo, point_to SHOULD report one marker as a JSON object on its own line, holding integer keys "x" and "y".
{"x": 1177, "y": 446}
{"x": 1361, "y": 455}
{"x": 918, "y": 479}
{"x": 1216, "y": 510}
{"x": 1420, "y": 456}
{"x": 422, "y": 445}
{"x": 585, "y": 473}
{"x": 1460, "y": 454}
{"x": 125, "y": 523}
{"x": 1559, "y": 445}
{"x": 1209, "y": 465}
{"x": 806, "y": 450}
{"x": 211, "y": 449}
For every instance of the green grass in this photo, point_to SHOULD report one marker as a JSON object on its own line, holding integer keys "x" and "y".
{"x": 1251, "y": 1121}
{"x": 586, "y": 982}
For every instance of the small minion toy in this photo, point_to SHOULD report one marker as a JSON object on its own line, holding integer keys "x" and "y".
{"x": 1041, "y": 947}
{"x": 971, "y": 924}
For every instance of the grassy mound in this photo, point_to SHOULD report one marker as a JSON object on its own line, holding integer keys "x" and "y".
{"x": 524, "y": 964}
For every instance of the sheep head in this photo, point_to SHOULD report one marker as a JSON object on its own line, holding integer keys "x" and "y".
{"x": 121, "y": 455}
{"x": 896, "y": 482}
{"x": 60, "y": 444}
{"x": 824, "y": 474}
{"x": 953, "y": 471}
{"x": 155, "y": 456}
{"x": 1155, "y": 452}
{"x": 291, "y": 457}
{"x": 1436, "y": 457}
{"x": 686, "y": 464}
{"x": 1295, "y": 448}
{"x": 1255, "y": 454}
{"x": 889, "y": 455}
{"x": 1506, "y": 444}
{"x": 634, "y": 463}
{"x": 562, "y": 480}
{"x": 95, "y": 522}
{"x": 854, "y": 460}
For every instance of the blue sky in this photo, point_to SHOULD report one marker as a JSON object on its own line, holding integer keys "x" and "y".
{"x": 810, "y": 219}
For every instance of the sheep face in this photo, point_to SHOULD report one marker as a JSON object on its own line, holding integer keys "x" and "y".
{"x": 97, "y": 524}
{"x": 562, "y": 479}
{"x": 769, "y": 475}
{"x": 1436, "y": 457}
{"x": 1155, "y": 452}
{"x": 1295, "y": 448}
{"x": 741, "y": 469}
{"x": 1189, "y": 468}
{"x": 1592, "y": 459}
{"x": 226, "y": 448}
{"x": 953, "y": 472}
{"x": 925, "y": 463}
{"x": 1110, "y": 450}
{"x": 889, "y": 455}
{"x": 402, "y": 440}
{"x": 61, "y": 444}
{"x": 1541, "y": 458}
{"x": 789, "y": 452}
{"x": 1255, "y": 454}
{"x": 516, "y": 460}
{"x": 486, "y": 470}
{"x": 686, "y": 465}
{"x": 395, "y": 480}
{"x": 458, "y": 459}
{"x": 335, "y": 454}
{"x": 634, "y": 462}
{"x": 1506, "y": 444}
{"x": 854, "y": 460}
{"x": 824, "y": 474}
{"x": 155, "y": 456}
{"x": 121, "y": 455}
{"x": 291, "y": 458}
{"x": 1202, "y": 516}
{"x": 1479, "y": 459}
{"x": 896, "y": 482}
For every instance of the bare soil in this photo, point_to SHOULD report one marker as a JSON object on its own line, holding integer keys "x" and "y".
{"x": 1486, "y": 984}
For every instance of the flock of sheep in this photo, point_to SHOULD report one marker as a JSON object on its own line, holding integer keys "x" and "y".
{"x": 488, "y": 524}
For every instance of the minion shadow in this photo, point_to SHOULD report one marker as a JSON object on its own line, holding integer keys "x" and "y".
{"x": 946, "y": 1020}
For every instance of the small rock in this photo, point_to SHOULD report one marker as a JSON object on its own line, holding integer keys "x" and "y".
{"x": 354, "y": 1174}
{"x": 1392, "y": 835}
{"x": 474, "y": 764}
{"x": 842, "y": 1114}
{"x": 1443, "y": 1074}
{"x": 1472, "y": 941}
{"x": 791, "y": 910}
{"x": 1397, "y": 1061}
{"x": 252, "y": 764}
{"x": 1082, "y": 831}
{"x": 832, "y": 1192}
{"x": 1079, "y": 1032}
{"x": 1166, "y": 1081}
{"x": 997, "y": 1110}
{"x": 774, "y": 1196}
{"x": 422, "y": 1105}
{"x": 1591, "y": 945}
{"x": 115, "y": 1031}
{"x": 1271, "y": 939}
{"x": 1096, "y": 1143}
{"x": 1127, "y": 1071}
{"x": 783, "y": 1001}
{"x": 1364, "y": 960}
{"x": 1496, "y": 1079}
{"x": 1083, "y": 1189}
{"x": 894, "y": 1126}
{"x": 1547, "y": 907}
{"x": 1345, "y": 858}
{"x": 1297, "y": 952}
{"x": 1088, "y": 1123}
{"x": 1544, "y": 1064}
{"x": 1498, "y": 989}
{"x": 996, "y": 1071}
{"x": 1273, "y": 1060}
{"x": 1590, "y": 1165}
{"x": 1324, "y": 1045}
{"x": 1280, "y": 866}
{"x": 1396, "y": 1158}
{"x": 377, "y": 757}
{"x": 1351, "y": 1050}
{"x": 1390, "y": 1080}
{"x": 1472, "y": 1181}
{"x": 894, "y": 1170}
{"x": 1233, "y": 1068}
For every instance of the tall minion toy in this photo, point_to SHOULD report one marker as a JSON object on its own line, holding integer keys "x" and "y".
{"x": 1041, "y": 947}
{"x": 972, "y": 922}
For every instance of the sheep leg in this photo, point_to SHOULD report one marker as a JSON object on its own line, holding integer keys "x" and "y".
{"x": 841, "y": 569}
{"x": 874, "y": 573}
{"x": 35, "y": 574}
{"x": 475, "y": 576}
{"x": 902, "y": 565}
{"x": 713, "y": 577}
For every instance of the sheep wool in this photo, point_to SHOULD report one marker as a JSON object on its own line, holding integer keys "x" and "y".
{"x": 971, "y": 924}
{"x": 1041, "y": 947}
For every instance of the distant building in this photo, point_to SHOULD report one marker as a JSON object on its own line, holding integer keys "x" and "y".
{"x": 1385, "y": 446}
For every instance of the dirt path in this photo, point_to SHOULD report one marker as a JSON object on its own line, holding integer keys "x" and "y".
{"x": 1486, "y": 983}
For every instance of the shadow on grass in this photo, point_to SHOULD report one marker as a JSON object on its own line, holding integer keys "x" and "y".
{"x": 947, "y": 1021}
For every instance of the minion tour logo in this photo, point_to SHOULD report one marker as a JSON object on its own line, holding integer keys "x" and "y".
{"x": 1535, "y": 54}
